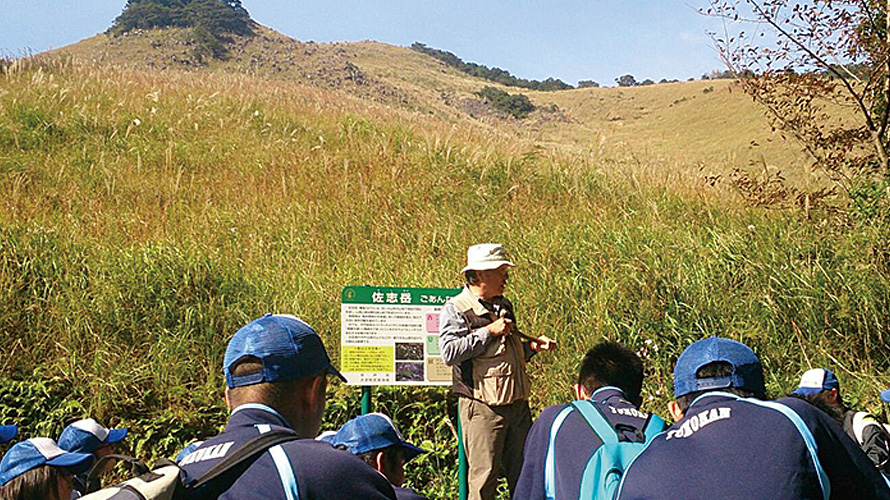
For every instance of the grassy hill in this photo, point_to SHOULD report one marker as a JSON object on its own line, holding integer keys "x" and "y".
{"x": 266, "y": 54}
{"x": 147, "y": 213}
{"x": 708, "y": 127}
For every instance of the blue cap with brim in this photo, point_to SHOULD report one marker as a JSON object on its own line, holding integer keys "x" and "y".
{"x": 815, "y": 381}
{"x": 36, "y": 452}
{"x": 885, "y": 395}
{"x": 287, "y": 347}
{"x": 87, "y": 435}
{"x": 8, "y": 433}
{"x": 747, "y": 373}
{"x": 374, "y": 431}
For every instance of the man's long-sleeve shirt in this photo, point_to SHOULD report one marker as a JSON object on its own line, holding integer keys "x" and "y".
{"x": 485, "y": 367}
{"x": 457, "y": 342}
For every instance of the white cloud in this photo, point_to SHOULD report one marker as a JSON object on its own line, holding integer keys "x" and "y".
{"x": 690, "y": 37}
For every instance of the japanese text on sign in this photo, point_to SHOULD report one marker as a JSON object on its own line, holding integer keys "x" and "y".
{"x": 389, "y": 336}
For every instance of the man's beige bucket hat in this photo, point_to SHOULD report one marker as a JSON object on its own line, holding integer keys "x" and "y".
{"x": 486, "y": 256}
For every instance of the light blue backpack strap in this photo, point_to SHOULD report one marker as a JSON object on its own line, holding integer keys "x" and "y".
{"x": 654, "y": 426}
{"x": 807, "y": 437}
{"x": 550, "y": 459}
{"x": 285, "y": 472}
{"x": 283, "y": 466}
{"x": 595, "y": 419}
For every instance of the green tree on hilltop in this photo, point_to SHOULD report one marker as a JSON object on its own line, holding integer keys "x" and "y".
{"x": 211, "y": 20}
{"x": 219, "y": 16}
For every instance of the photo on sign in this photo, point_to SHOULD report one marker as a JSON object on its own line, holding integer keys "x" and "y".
{"x": 409, "y": 371}
{"x": 411, "y": 351}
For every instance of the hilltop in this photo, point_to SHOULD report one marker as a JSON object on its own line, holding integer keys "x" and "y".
{"x": 264, "y": 53}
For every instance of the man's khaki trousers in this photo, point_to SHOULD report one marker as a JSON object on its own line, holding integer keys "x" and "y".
{"x": 494, "y": 437}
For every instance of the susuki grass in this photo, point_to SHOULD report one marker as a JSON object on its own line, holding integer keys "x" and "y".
{"x": 144, "y": 217}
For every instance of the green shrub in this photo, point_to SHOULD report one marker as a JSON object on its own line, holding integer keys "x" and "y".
{"x": 516, "y": 105}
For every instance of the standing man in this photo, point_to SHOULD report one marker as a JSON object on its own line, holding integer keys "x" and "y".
{"x": 730, "y": 443}
{"x": 821, "y": 387}
{"x": 561, "y": 441}
{"x": 276, "y": 372}
{"x": 375, "y": 439}
{"x": 479, "y": 339}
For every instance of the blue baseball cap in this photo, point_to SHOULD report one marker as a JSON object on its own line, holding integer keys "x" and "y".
{"x": 287, "y": 347}
{"x": 8, "y": 433}
{"x": 815, "y": 381}
{"x": 85, "y": 436}
{"x": 885, "y": 395}
{"x": 747, "y": 373}
{"x": 35, "y": 452}
{"x": 370, "y": 432}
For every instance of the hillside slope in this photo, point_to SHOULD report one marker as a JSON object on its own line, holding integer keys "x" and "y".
{"x": 711, "y": 125}
{"x": 707, "y": 126}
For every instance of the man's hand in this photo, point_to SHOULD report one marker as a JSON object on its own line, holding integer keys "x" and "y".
{"x": 503, "y": 326}
{"x": 543, "y": 343}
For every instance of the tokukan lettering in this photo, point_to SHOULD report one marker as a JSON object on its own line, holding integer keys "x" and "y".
{"x": 698, "y": 421}
{"x": 628, "y": 412}
{"x": 217, "y": 451}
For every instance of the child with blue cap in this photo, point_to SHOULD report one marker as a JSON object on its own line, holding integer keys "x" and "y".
{"x": 276, "y": 370}
{"x": 885, "y": 398}
{"x": 38, "y": 469}
{"x": 89, "y": 436}
{"x": 375, "y": 439}
{"x": 821, "y": 387}
{"x": 729, "y": 442}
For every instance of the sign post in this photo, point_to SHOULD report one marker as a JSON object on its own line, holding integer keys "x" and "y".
{"x": 366, "y": 399}
{"x": 390, "y": 336}
{"x": 462, "y": 467}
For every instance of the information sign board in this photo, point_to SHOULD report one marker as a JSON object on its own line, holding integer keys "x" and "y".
{"x": 390, "y": 336}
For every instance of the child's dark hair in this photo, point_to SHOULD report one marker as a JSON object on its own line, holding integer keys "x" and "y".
{"x": 610, "y": 363}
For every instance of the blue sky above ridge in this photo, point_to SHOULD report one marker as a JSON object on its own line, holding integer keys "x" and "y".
{"x": 567, "y": 39}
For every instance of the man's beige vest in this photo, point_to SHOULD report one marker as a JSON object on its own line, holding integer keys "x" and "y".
{"x": 497, "y": 376}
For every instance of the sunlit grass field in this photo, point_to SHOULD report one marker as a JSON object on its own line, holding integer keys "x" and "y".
{"x": 145, "y": 216}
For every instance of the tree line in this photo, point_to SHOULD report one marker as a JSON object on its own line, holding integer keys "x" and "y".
{"x": 497, "y": 75}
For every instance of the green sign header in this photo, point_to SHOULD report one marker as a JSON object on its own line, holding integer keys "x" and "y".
{"x": 397, "y": 295}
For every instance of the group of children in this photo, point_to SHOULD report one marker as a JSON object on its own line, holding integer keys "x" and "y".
{"x": 728, "y": 439}
{"x": 42, "y": 468}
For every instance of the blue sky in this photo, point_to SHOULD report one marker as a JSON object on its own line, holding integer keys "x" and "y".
{"x": 568, "y": 39}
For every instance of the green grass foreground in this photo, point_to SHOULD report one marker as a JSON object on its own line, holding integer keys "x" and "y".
{"x": 144, "y": 217}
